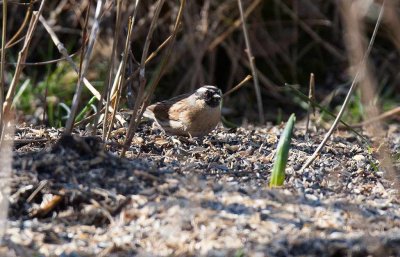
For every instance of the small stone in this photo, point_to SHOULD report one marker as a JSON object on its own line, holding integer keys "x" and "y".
{"x": 359, "y": 158}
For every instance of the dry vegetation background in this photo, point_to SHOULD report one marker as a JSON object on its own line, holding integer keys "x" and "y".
{"x": 289, "y": 40}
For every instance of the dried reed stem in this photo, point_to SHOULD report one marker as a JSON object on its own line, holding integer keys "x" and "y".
{"x": 2, "y": 62}
{"x": 5, "y": 172}
{"x": 247, "y": 78}
{"x": 355, "y": 42}
{"x": 146, "y": 99}
{"x": 75, "y": 101}
{"x": 20, "y": 62}
{"x": 314, "y": 35}
{"x": 121, "y": 77}
{"x": 142, "y": 79}
{"x": 386, "y": 115}
{"x": 67, "y": 57}
{"x": 111, "y": 93}
{"x": 107, "y": 84}
{"x": 360, "y": 70}
{"x": 233, "y": 27}
{"x": 311, "y": 97}
{"x": 252, "y": 65}
{"x": 14, "y": 39}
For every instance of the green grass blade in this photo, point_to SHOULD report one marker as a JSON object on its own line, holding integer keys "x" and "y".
{"x": 282, "y": 152}
{"x": 86, "y": 109}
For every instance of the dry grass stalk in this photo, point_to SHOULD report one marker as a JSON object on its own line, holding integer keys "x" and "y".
{"x": 314, "y": 35}
{"x": 2, "y": 63}
{"x": 311, "y": 98}
{"x": 252, "y": 65}
{"x": 67, "y": 57}
{"x": 386, "y": 115}
{"x": 6, "y": 148}
{"x": 268, "y": 84}
{"x": 145, "y": 100}
{"x": 135, "y": 118}
{"x": 142, "y": 80}
{"x": 360, "y": 70}
{"x": 107, "y": 84}
{"x": 219, "y": 39}
{"x": 151, "y": 57}
{"x": 392, "y": 21}
{"x": 112, "y": 93}
{"x": 6, "y": 108}
{"x": 355, "y": 41}
{"x": 247, "y": 78}
{"x": 14, "y": 39}
{"x": 116, "y": 81}
{"x": 120, "y": 78}
{"x": 85, "y": 63}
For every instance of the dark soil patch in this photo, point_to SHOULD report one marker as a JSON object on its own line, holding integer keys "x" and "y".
{"x": 198, "y": 196}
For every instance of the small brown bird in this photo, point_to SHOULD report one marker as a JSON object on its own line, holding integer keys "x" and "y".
{"x": 195, "y": 114}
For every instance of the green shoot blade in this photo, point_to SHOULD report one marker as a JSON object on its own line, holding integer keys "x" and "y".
{"x": 282, "y": 152}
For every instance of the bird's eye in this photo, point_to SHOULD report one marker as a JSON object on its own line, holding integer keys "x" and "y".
{"x": 209, "y": 94}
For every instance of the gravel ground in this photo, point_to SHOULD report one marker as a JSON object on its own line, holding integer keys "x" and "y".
{"x": 206, "y": 196}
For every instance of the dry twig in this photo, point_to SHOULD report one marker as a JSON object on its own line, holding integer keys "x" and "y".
{"x": 21, "y": 59}
{"x": 106, "y": 89}
{"x": 2, "y": 62}
{"x": 75, "y": 102}
{"x": 247, "y": 78}
{"x": 348, "y": 96}
{"x": 355, "y": 41}
{"x": 233, "y": 27}
{"x": 120, "y": 77}
{"x": 146, "y": 99}
{"x": 311, "y": 97}
{"x": 252, "y": 65}
{"x": 67, "y": 57}
{"x": 6, "y": 148}
{"x": 383, "y": 116}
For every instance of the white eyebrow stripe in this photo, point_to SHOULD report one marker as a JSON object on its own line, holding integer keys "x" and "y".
{"x": 206, "y": 88}
{"x": 202, "y": 90}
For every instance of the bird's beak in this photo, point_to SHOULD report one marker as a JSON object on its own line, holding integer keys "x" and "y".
{"x": 216, "y": 97}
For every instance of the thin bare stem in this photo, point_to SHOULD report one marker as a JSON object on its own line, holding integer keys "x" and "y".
{"x": 146, "y": 99}
{"x": 354, "y": 39}
{"x": 142, "y": 78}
{"x": 383, "y": 116}
{"x": 6, "y": 153}
{"x": 21, "y": 59}
{"x": 67, "y": 57}
{"x": 314, "y": 35}
{"x": 121, "y": 77}
{"x": 111, "y": 94}
{"x": 151, "y": 57}
{"x": 107, "y": 85}
{"x": 159, "y": 48}
{"x": 348, "y": 96}
{"x": 247, "y": 78}
{"x": 75, "y": 101}
{"x": 2, "y": 60}
{"x": 311, "y": 98}
{"x": 14, "y": 39}
{"x": 252, "y": 65}
{"x": 233, "y": 27}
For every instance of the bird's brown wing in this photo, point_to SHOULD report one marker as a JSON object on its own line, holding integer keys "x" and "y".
{"x": 168, "y": 109}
